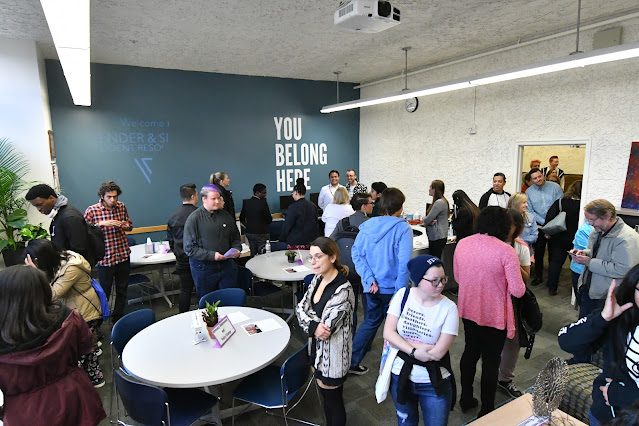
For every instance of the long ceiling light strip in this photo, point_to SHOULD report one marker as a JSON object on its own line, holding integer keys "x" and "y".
{"x": 68, "y": 22}
{"x": 609, "y": 54}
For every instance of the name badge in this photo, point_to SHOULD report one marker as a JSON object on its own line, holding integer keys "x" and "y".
{"x": 223, "y": 330}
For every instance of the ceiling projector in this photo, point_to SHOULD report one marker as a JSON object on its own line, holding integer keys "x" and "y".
{"x": 366, "y": 16}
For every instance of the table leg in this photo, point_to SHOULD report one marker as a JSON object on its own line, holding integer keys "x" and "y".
{"x": 162, "y": 289}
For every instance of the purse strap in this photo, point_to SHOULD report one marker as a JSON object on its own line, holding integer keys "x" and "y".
{"x": 82, "y": 294}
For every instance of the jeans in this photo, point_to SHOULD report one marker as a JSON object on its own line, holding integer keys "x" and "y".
{"x": 587, "y": 305}
{"x": 256, "y": 240}
{"x": 539, "y": 248}
{"x": 211, "y": 276}
{"x": 592, "y": 420}
{"x": 186, "y": 288}
{"x": 435, "y": 408}
{"x": 377, "y": 306}
{"x": 120, "y": 272}
{"x": 557, "y": 254}
{"x": 487, "y": 343}
{"x": 575, "y": 283}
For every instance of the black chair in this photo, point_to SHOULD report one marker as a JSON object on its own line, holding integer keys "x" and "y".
{"x": 151, "y": 405}
{"x": 226, "y": 296}
{"x": 275, "y": 387}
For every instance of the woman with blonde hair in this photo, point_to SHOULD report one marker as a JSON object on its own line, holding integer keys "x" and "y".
{"x": 519, "y": 202}
{"x": 436, "y": 220}
{"x": 326, "y": 314}
{"x": 337, "y": 210}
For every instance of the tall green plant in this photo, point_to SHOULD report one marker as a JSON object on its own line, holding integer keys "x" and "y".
{"x": 14, "y": 229}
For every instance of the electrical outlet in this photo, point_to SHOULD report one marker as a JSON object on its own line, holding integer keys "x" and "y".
{"x": 472, "y": 129}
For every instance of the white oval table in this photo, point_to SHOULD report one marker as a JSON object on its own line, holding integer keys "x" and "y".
{"x": 164, "y": 354}
{"x": 272, "y": 266}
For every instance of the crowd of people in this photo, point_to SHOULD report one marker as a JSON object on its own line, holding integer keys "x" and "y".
{"x": 50, "y": 314}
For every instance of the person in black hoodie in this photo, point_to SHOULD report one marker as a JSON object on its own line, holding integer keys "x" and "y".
{"x": 465, "y": 214}
{"x": 616, "y": 329}
{"x": 68, "y": 228}
{"x": 256, "y": 216}
{"x": 300, "y": 226}
{"x": 222, "y": 181}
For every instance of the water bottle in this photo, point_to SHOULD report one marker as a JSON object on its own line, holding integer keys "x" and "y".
{"x": 267, "y": 247}
{"x": 450, "y": 232}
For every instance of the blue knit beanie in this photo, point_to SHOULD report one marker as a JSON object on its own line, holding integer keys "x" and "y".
{"x": 420, "y": 264}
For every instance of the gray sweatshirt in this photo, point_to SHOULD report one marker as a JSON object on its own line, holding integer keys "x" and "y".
{"x": 440, "y": 229}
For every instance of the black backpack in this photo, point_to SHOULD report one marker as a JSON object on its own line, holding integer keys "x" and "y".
{"x": 344, "y": 241}
{"x": 96, "y": 250}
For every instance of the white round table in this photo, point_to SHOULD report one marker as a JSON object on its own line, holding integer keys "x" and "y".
{"x": 271, "y": 266}
{"x": 164, "y": 354}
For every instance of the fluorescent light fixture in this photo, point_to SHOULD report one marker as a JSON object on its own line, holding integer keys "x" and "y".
{"x": 609, "y": 54}
{"x": 68, "y": 22}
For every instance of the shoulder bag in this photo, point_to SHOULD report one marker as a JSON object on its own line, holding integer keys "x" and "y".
{"x": 557, "y": 225}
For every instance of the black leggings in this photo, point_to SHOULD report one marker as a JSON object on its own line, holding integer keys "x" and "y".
{"x": 334, "y": 406}
{"x": 436, "y": 247}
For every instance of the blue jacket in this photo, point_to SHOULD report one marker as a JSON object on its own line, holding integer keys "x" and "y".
{"x": 381, "y": 252}
{"x": 581, "y": 243}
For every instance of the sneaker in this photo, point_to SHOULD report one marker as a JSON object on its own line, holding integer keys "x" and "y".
{"x": 99, "y": 383}
{"x": 99, "y": 344}
{"x": 510, "y": 388}
{"x": 535, "y": 282}
{"x": 98, "y": 352}
{"x": 358, "y": 370}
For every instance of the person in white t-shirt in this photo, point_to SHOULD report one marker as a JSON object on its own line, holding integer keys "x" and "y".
{"x": 422, "y": 332}
{"x": 336, "y": 211}
{"x": 510, "y": 353}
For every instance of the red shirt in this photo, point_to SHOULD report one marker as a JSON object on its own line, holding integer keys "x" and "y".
{"x": 116, "y": 247}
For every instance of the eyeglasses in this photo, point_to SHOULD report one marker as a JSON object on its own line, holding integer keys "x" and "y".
{"x": 437, "y": 282}
{"x": 310, "y": 257}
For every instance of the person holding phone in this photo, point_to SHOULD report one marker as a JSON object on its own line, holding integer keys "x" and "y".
{"x": 613, "y": 248}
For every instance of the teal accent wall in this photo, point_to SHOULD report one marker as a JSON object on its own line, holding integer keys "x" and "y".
{"x": 151, "y": 130}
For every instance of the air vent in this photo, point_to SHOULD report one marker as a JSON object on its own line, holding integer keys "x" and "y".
{"x": 346, "y": 10}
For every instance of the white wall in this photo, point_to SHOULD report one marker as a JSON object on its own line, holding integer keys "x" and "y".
{"x": 24, "y": 109}
{"x": 598, "y": 103}
{"x": 571, "y": 158}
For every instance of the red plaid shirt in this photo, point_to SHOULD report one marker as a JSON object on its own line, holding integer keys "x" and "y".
{"x": 116, "y": 247}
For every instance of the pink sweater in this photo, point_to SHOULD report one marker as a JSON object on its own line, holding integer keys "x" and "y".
{"x": 488, "y": 273}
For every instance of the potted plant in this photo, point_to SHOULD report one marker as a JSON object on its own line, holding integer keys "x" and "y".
{"x": 209, "y": 315}
{"x": 15, "y": 231}
{"x": 291, "y": 255}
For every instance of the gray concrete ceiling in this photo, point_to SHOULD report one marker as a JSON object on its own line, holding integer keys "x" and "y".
{"x": 297, "y": 39}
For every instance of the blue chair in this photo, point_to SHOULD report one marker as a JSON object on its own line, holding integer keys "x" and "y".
{"x": 256, "y": 288}
{"x": 151, "y": 405}
{"x": 127, "y": 327}
{"x": 275, "y": 387}
{"x": 141, "y": 280}
{"x": 307, "y": 283}
{"x": 226, "y": 296}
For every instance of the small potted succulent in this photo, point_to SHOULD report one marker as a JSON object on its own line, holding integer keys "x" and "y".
{"x": 291, "y": 255}
{"x": 209, "y": 315}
